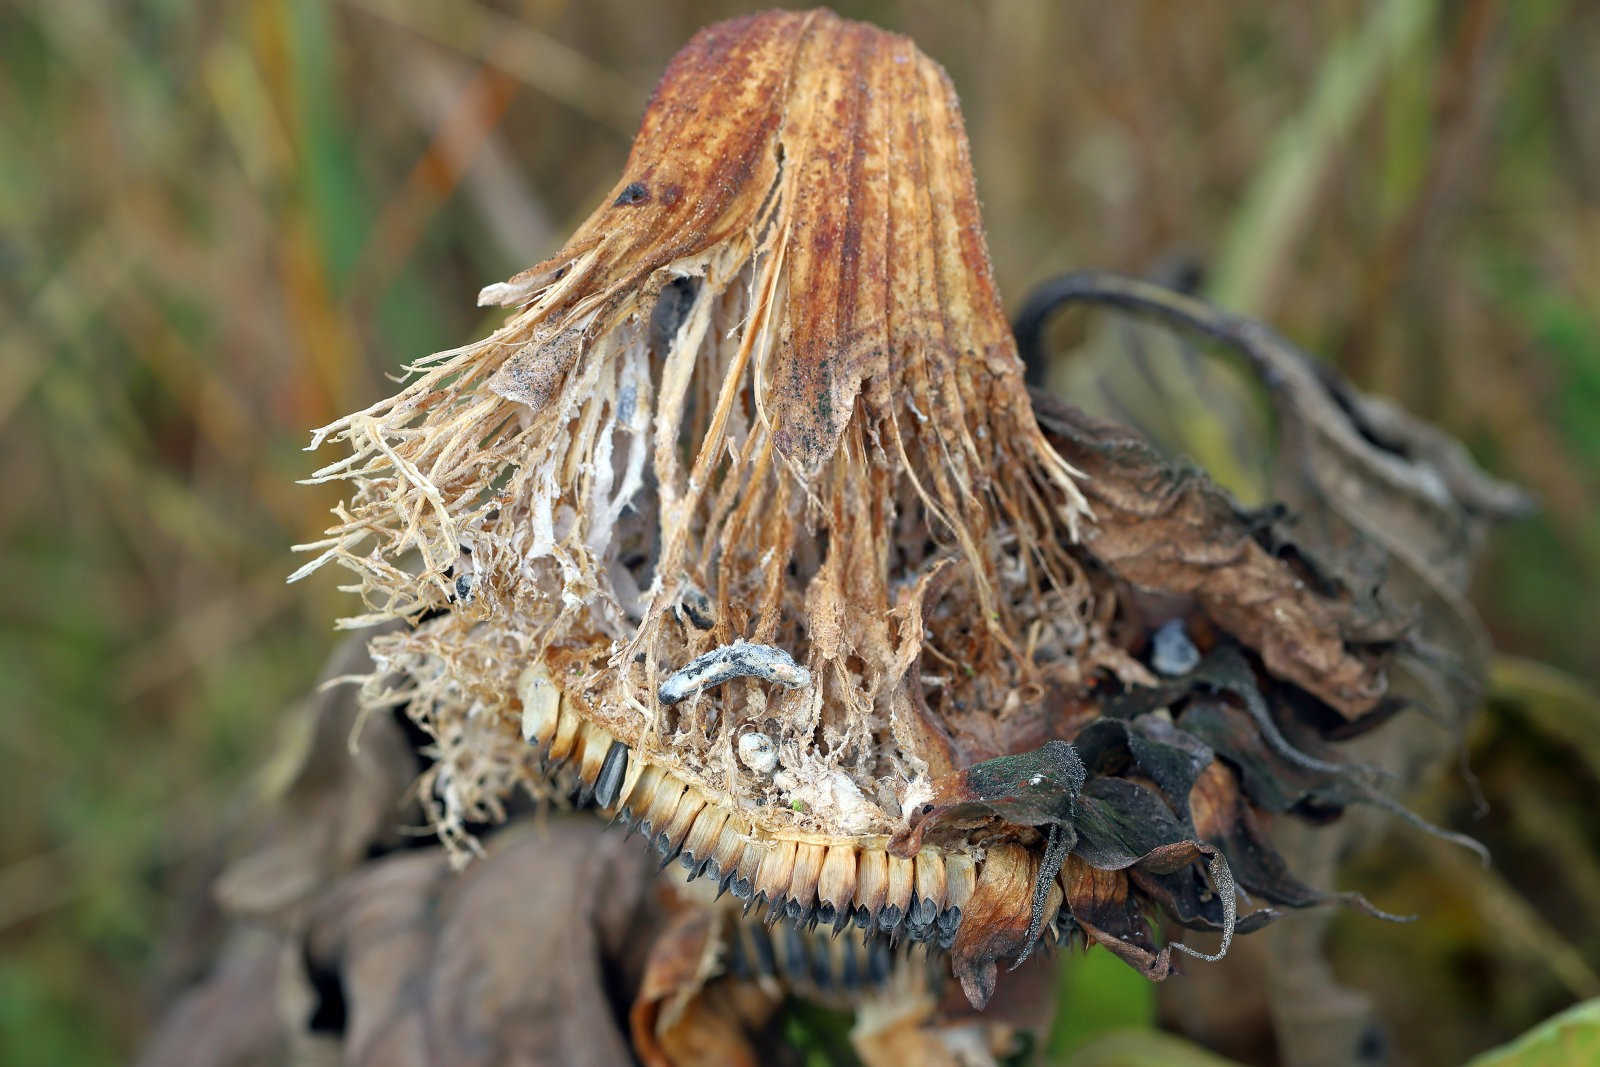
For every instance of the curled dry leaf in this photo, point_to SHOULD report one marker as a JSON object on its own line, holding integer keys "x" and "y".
{"x": 1386, "y": 514}
{"x": 1375, "y": 494}
{"x": 1164, "y": 528}
{"x": 765, "y": 399}
{"x": 232, "y": 1018}
{"x": 344, "y": 780}
{"x": 507, "y": 962}
{"x": 404, "y": 960}
{"x": 675, "y": 1019}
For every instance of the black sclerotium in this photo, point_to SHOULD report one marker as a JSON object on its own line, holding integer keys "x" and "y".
{"x": 632, "y": 193}
{"x": 742, "y": 659}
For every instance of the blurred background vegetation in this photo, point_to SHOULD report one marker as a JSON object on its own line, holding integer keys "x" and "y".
{"x": 222, "y": 224}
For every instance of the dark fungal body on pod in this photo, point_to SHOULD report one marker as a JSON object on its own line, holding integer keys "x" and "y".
{"x": 742, "y": 659}
{"x": 695, "y": 609}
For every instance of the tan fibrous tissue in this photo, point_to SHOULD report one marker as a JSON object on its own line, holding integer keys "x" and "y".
{"x": 771, "y": 375}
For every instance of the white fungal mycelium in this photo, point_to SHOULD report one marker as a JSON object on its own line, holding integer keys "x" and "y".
{"x": 757, "y": 752}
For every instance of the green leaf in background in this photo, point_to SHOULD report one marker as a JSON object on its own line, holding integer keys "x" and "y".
{"x": 333, "y": 184}
{"x": 1560, "y": 705}
{"x": 1571, "y": 1039}
{"x": 1098, "y": 993}
{"x": 1143, "y": 1048}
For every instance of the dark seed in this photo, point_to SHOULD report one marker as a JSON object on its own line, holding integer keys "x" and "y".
{"x": 677, "y": 298}
{"x": 726, "y": 882}
{"x": 822, "y": 970}
{"x": 696, "y": 607}
{"x": 794, "y": 947}
{"x": 766, "y": 963}
{"x": 949, "y": 919}
{"x": 889, "y": 917}
{"x": 737, "y": 965}
{"x": 609, "y": 781}
{"x": 879, "y": 961}
{"x": 849, "y": 974}
{"x": 863, "y": 917}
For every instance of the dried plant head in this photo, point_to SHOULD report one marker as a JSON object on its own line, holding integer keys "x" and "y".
{"x": 770, "y": 377}
{"x": 743, "y": 529}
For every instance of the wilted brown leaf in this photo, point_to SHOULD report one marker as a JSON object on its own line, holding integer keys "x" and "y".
{"x": 233, "y": 1018}
{"x": 342, "y": 798}
{"x": 675, "y": 1020}
{"x": 1171, "y": 532}
{"x": 507, "y": 962}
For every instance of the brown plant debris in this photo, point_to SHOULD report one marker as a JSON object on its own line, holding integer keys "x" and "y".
{"x": 714, "y": 981}
{"x": 769, "y": 557}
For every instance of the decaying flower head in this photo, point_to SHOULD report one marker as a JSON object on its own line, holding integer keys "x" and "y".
{"x": 743, "y": 528}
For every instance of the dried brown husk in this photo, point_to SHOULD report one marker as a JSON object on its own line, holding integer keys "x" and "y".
{"x": 769, "y": 382}
{"x": 772, "y": 366}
